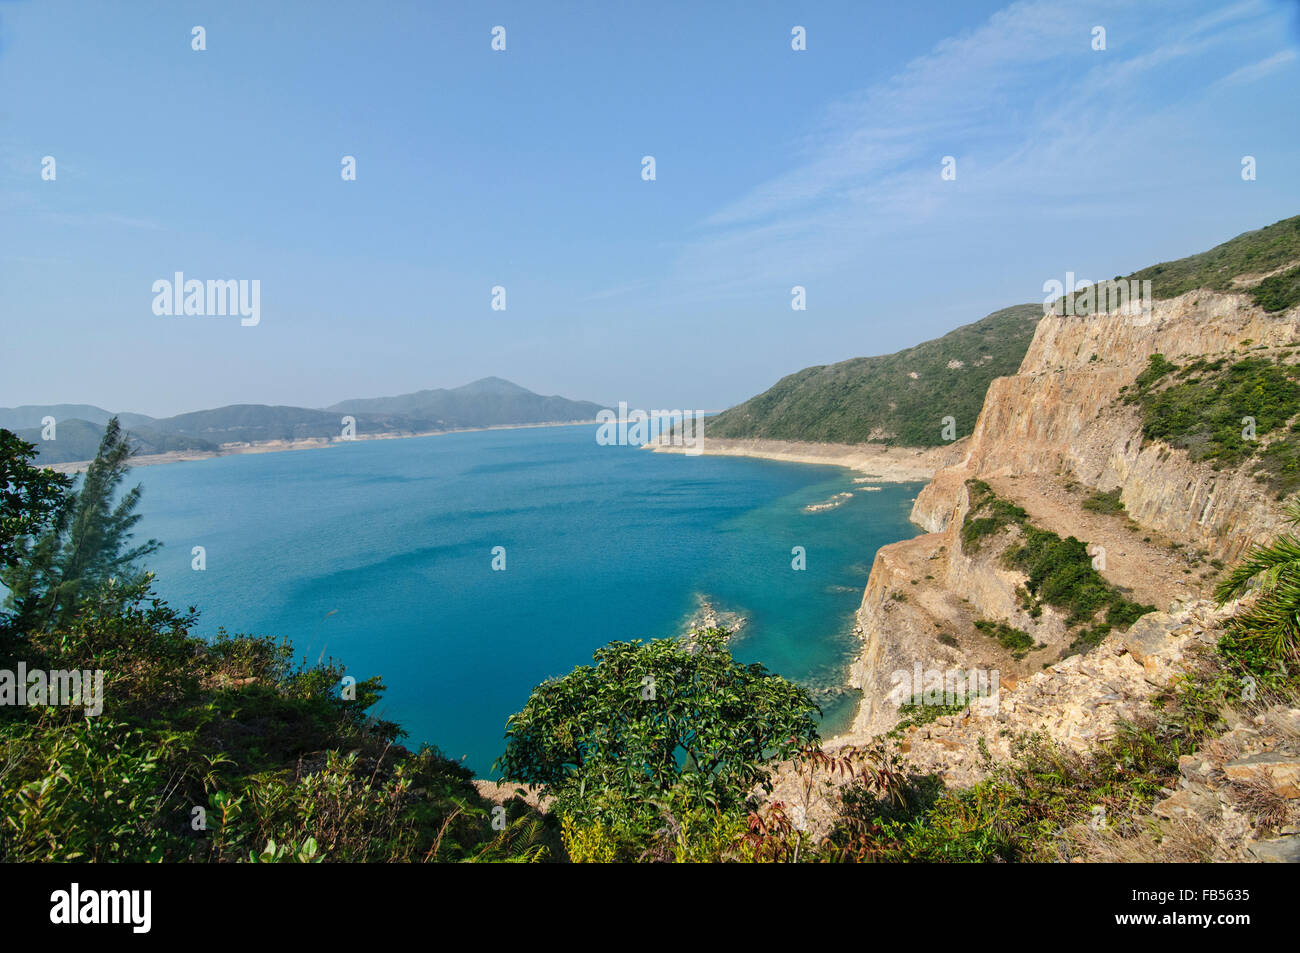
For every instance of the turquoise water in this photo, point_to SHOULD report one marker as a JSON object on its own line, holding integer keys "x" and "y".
{"x": 379, "y": 554}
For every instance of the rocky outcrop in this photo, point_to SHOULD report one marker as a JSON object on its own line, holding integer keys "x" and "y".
{"x": 1078, "y": 702}
{"x": 1239, "y": 795}
{"x": 1061, "y": 421}
{"x": 1236, "y": 798}
{"x": 1062, "y": 415}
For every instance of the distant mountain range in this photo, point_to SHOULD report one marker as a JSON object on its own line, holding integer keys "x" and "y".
{"x": 490, "y": 402}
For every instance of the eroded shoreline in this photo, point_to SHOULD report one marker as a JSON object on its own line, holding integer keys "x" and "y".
{"x": 879, "y": 463}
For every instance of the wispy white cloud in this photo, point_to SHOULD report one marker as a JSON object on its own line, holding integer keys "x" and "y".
{"x": 618, "y": 291}
{"x": 947, "y": 95}
{"x": 1013, "y": 100}
{"x": 1256, "y": 71}
{"x": 24, "y": 194}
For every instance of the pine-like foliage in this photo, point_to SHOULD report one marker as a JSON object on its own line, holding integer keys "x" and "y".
{"x": 85, "y": 555}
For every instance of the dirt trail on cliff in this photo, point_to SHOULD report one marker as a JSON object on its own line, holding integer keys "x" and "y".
{"x": 1155, "y": 572}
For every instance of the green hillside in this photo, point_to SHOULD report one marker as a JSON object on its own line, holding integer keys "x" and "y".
{"x": 257, "y": 423}
{"x": 895, "y": 398}
{"x": 1251, "y": 253}
{"x": 76, "y": 440}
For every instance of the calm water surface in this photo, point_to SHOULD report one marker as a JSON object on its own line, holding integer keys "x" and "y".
{"x": 379, "y": 553}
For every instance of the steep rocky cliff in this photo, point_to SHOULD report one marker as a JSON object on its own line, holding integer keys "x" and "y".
{"x": 1047, "y": 438}
{"x": 1061, "y": 416}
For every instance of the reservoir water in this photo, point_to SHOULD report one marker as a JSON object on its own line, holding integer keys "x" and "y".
{"x": 379, "y": 554}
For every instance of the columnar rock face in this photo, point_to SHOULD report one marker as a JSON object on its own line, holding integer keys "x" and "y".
{"x": 1062, "y": 415}
{"x": 1199, "y": 322}
{"x": 1059, "y": 419}
{"x": 922, "y": 594}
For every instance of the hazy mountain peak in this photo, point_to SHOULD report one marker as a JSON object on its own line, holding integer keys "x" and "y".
{"x": 31, "y": 415}
{"x": 492, "y": 385}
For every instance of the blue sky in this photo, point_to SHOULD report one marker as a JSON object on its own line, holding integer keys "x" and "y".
{"x": 522, "y": 168}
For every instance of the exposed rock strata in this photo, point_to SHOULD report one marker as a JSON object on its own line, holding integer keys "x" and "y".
{"x": 1060, "y": 421}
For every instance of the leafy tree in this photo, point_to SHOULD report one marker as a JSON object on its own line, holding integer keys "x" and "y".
{"x": 29, "y": 496}
{"x": 84, "y": 554}
{"x": 1272, "y": 623}
{"x": 653, "y": 718}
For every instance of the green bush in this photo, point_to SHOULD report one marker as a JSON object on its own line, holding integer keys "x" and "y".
{"x": 654, "y": 723}
{"x": 1201, "y": 407}
{"x": 1278, "y": 292}
{"x": 232, "y": 727}
{"x": 1017, "y": 641}
{"x": 1060, "y": 571}
{"x": 987, "y": 515}
{"x": 1105, "y": 501}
